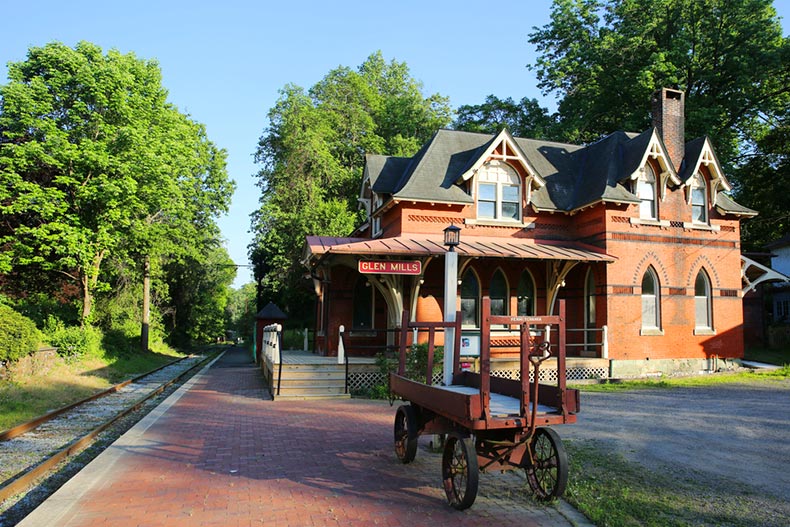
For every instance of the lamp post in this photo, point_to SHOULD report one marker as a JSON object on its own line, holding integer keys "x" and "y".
{"x": 452, "y": 237}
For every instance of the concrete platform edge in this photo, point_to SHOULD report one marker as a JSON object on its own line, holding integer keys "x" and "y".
{"x": 58, "y": 505}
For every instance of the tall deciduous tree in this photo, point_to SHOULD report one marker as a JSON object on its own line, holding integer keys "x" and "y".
{"x": 526, "y": 118}
{"x": 312, "y": 154}
{"x": 603, "y": 60}
{"x": 95, "y": 164}
{"x": 765, "y": 178}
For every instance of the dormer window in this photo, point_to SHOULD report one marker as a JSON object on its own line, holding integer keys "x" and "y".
{"x": 699, "y": 199}
{"x": 376, "y": 220}
{"x": 645, "y": 190}
{"x": 498, "y": 192}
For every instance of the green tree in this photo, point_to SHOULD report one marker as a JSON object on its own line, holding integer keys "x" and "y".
{"x": 526, "y": 118}
{"x": 312, "y": 157}
{"x": 765, "y": 176}
{"x": 240, "y": 312}
{"x": 604, "y": 59}
{"x": 95, "y": 164}
{"x": 199, "y": 289}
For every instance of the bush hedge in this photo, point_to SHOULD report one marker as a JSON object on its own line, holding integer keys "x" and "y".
{"x": 73, "y": 342}
{"x": 19, "y": 336}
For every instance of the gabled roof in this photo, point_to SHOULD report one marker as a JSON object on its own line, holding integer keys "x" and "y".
{"x": 508, "y": 143}
{"x": 271, "y": 312}
{"x": 700, "y": 152}
{"x": 567, "y": 177}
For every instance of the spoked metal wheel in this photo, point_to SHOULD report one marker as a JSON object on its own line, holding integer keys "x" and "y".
{"x": 548, "y": 474}
{"x": 406, "y": 433}
{"x": 460, "y": 471}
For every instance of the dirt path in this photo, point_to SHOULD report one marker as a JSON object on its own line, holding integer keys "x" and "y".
{"x": 736, "y": 432}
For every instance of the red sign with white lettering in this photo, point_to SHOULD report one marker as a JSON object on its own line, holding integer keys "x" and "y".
{"x": 390, "y": 267}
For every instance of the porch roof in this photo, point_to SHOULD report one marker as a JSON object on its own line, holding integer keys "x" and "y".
{"x": 475, "y": 246}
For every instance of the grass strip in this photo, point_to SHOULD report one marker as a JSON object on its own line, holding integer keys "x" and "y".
{"x": 615, "y": 492}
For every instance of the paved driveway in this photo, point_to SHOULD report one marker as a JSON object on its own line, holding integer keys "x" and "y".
{"x": 736, "y": 432}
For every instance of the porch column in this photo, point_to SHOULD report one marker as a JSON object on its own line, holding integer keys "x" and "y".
{"x": 450, "y": 294}
{"x": 452, "y": 237}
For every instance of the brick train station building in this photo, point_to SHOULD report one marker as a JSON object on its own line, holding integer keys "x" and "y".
{"x": 635, "y": 232}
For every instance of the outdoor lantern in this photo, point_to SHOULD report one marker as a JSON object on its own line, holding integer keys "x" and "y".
{"x": 452, "y": 236}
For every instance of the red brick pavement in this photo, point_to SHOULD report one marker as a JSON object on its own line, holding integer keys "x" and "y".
{"x": 224, "y": 455}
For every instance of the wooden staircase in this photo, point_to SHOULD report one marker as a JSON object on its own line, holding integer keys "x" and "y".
{"x": 322, "y": 380}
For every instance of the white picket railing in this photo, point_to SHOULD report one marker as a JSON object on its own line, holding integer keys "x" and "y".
{"x": 271, "y": 342}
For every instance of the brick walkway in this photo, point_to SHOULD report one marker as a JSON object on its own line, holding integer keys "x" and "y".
{"x": 224, "y": 455}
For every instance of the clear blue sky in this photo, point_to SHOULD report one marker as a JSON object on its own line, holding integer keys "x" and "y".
{"x": 224, "y": 62}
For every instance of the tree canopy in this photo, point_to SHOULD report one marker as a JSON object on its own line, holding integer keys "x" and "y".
{"x": 526, "y": 118}
{"x": 312, "y": 157}
{"x": 604, "y": 59}
{"x": 98, "y": 167}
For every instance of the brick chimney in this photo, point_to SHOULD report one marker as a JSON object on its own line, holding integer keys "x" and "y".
{"x": 668, "y": 118}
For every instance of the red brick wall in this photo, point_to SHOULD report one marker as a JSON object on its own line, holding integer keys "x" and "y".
{"x": 676, "y": 254}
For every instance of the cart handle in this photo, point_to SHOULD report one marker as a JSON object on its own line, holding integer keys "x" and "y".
{"x": 543, "y": 352}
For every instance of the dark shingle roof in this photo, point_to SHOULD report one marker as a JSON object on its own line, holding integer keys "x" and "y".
{"x": 385, "y": 171}
{"x": 693, "y": 153}
{"x": 575, "y": 176}
{"x": 271, "y": 312}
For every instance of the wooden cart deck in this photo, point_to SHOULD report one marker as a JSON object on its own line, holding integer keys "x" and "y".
{"x": 462, "y": 402}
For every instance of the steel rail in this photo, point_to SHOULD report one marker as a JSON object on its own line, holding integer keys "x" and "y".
{"x": 40, "y": 420}
{"x": 27, "y": 477}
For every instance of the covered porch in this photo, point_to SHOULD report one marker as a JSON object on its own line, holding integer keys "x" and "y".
{"x": 363, "y": 286}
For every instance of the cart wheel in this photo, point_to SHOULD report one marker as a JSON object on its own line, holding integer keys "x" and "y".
{"x": 406, "y": 433}
{"x": 549, "y": 474}
{"x": 459, "y": 471}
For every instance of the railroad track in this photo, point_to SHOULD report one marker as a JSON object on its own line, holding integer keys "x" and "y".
{"x": 32, "y": 450}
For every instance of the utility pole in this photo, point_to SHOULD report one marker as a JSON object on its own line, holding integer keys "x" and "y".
{"x": 146, "y": 304}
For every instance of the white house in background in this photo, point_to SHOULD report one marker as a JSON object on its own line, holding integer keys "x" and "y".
{"x": 780, "y": 291}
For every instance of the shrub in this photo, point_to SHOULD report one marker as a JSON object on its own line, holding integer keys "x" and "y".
{"x": 417, "y": 361}
{"x": 18, "y": 335}
{"x": 73, "y": 342}
{"x": 416, "y": 367}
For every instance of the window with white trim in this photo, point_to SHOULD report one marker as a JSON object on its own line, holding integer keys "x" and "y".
{"x": 590, "y": 318}
{"x": 498, "y": 192}
{"x": 703, "y": 300}
{"x": 376, "y": 220}
{"x": 699, "y": 199}
{"x": 645, "y": 189}
{"x": 651, "y": 301}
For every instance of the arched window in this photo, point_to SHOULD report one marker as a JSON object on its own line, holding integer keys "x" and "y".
{"x": 703, "y": 312}
{"x": 470, "y": 300}
{"x": 499, "y": 294}
{"x": 362, "y": 314}
{"x": 645, "y": 190}
{"x": 525, "y": 295}
{"x": 590, "y": 321}
{"x": 651, "y": 301}
{"x": 498, "y": 192}
{"x": 699, "y": 199}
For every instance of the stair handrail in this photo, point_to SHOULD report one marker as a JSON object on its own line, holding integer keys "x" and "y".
{"x": 272, "y": 350}
{"x": 341, "y": 353}
{"x": 280, "y": 355}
